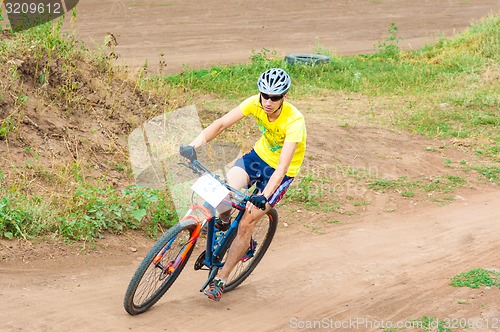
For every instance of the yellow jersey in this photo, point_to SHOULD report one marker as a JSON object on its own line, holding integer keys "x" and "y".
{"x": 290, "y": 126}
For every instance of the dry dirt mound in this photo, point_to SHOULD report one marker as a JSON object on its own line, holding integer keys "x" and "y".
{"x": 68, "y": 111}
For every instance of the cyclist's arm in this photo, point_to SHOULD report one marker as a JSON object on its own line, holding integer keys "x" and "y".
{"x": 219, "y": 125}
{"x": 286, "y": 156}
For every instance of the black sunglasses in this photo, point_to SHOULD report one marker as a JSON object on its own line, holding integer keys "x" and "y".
{"x": 273, "y": 98}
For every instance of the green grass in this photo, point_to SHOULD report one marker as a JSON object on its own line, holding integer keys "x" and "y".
{"x": 433, "y": 68}
{"x": 407, "y": 187}
{"x": 86, "y": 214}
{"x": 369, "y": 75}
{"x": 451, "y": 87}
{"x": 476, "y": 278}
{"x": 309, "y": 190}
{"x": 428, "y": 323}
{"x": 491, "y": 173}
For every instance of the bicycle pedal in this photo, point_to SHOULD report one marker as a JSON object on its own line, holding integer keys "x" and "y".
{"x": 250, "y": 252}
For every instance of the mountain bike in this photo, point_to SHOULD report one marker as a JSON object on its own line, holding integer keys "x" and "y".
{"x": 169, "y": 255}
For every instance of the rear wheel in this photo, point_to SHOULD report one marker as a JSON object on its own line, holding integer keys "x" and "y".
{"x": 152, "y": 279}
{"x": 262, "y": 236}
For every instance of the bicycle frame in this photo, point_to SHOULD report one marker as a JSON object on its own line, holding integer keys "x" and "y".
{"x": 213, "y": 247}
{"x": 211, "y": 251}
{"x": 169, "y": 255}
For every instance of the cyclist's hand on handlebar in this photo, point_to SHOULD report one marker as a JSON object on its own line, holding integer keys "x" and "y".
{"x": 259, "y": 201}
{"x": 188, "y": 152}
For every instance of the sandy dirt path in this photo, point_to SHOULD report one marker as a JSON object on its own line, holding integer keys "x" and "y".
{"x": 205, "y": 33}
{"x": 385, "y": 268}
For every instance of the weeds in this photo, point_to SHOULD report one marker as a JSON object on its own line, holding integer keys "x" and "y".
{"x": 388, "y": 71}
{"x": 389, "y": 47}
{"x": 87, "y": 214}
{"x": 407, "y": 187}
{"x": 492, "y": 173}
{"x": 6, "y": 126}
{"x": 307, "y": 191}
{"x": 476, "y": 278}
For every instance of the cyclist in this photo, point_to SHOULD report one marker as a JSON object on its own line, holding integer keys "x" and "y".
{"x": 272, "y": 164}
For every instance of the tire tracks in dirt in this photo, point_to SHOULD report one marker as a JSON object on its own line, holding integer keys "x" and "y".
{"x": 378, "y": 267}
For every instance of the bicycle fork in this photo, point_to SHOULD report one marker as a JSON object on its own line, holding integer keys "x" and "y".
{"x": 172, "y": 266}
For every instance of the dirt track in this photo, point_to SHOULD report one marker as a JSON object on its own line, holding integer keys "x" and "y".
{"x": 205, "y": 33}
{"x": 378, "y": 266}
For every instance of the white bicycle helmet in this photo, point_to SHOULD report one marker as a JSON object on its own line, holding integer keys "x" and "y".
{"x": 274, "y": 81}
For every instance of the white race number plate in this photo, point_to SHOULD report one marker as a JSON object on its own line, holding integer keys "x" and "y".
{"x": 210, "y": 190}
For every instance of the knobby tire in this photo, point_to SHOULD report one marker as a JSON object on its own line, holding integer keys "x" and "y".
{"x": 149, "y": 282}
{"x": 263, "y": 233}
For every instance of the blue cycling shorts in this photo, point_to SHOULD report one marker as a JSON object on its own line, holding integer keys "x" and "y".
{"x": 260, "y": 173}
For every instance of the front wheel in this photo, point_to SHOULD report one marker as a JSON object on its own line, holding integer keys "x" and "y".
{"x": 160, "y": 267}
{"x": 262, "y": 236}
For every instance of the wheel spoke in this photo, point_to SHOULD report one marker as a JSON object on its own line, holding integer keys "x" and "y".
{"x": 261, "y": 238}
{"x": 155, "y": 274}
